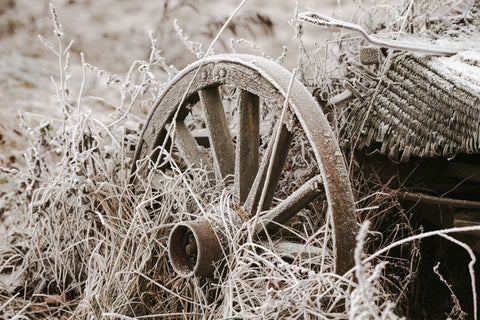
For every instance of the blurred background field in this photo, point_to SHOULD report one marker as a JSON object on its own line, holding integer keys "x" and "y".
{"x": 114, "y": 34}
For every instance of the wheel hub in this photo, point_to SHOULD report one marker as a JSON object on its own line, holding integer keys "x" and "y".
{"x": 194, "y": 249}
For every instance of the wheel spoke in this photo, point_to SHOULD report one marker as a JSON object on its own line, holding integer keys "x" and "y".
{"x": 279, "y": 157}
{"x": 247, "y": 153}
{"x": 220, "y": 138}
{"x": 188, "y": 147}
{"x": 295, "y": 202}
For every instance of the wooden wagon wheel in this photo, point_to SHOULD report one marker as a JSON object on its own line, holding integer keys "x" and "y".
{"x": 258, "y": 81}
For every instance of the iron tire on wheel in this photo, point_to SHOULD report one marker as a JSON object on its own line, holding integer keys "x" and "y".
{"x": 257, "y": 79}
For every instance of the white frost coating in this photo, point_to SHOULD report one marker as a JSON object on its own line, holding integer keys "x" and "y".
{"x": 256, "y": 63}
{"x": 471, "y": 57}
{"x": 460, "y": 69}
{"x": 465, "y": 43}
{"x": 276, "y": 70}
{"x": 269, "y": 70}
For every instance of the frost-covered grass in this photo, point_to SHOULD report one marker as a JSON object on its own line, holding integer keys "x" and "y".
{"x": 85, "y": 243}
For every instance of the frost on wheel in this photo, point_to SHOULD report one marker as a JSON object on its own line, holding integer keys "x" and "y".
{"x": 222, "y": 114}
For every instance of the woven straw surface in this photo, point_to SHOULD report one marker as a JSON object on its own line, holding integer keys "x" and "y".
{"x": 421, "y": 107}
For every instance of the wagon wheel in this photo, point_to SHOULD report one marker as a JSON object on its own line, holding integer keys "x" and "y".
{"x": 239, "y": 156}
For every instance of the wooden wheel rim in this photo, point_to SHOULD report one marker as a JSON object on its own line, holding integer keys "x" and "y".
{"x": 268, "y": 80}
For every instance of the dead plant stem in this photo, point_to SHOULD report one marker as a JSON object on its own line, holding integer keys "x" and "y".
{"x": 274, "y": 150}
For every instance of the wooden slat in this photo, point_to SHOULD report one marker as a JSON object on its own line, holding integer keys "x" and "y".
{"x": 251, "y": 204}
{"x": 247, "y": 152}
{"x": 189, "y": 148}
{"x": 220, "y": 138}
{"x": 295, "y": 202}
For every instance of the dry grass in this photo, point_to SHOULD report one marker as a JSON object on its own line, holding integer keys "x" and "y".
{"x": 92, "y": 246}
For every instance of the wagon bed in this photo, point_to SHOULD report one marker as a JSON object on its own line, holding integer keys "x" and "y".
{"x": 419, "y": 123}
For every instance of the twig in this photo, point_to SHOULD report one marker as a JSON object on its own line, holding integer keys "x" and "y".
{"x": 428, "y": 199}
{"x": 274, "y": 149}
{"x": 418, "y": 237}
{"x": 8, "y": 301}
{"x": 329, "y": 22}
{"x": 187, "y": 89}
{"x": 470, "y": 269}
{"x": 82, "y": 86}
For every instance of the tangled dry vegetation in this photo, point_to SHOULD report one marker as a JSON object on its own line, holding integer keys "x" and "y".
{"x": 84, "y": 243}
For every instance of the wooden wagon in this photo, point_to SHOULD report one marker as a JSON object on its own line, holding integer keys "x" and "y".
{"x": 417, "y": 121}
